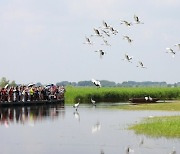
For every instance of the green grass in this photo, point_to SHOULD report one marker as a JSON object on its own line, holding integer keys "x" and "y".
{"x": 118, "y": 94}
{"x": 159, "y": 127}
{"x": 156, "y": 106}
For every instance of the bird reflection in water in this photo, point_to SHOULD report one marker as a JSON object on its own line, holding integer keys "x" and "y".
{"x": 96, "y": 128}
{"x": 29, "y": 115}
{"x": 77, "y": 115}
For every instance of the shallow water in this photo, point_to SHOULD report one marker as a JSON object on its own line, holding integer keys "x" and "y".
{"x": 90, "y": 130}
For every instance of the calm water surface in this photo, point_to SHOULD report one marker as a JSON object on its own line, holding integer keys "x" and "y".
{"x": 91, "y": 130}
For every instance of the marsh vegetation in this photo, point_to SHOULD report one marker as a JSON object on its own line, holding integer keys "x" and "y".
{"x": 118, "y": 94}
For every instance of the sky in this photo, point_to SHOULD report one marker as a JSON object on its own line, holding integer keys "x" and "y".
{"x": 42, "y": 41}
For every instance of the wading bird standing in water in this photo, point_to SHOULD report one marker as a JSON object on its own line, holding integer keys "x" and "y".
{"x": 76, "y": 105}
{"x": 93, "y": 102}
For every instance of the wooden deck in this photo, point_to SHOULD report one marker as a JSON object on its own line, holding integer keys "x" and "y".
{"x": 31, "y": 103}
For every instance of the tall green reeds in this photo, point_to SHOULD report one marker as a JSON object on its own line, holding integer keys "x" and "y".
{"x": 117, "y": 94}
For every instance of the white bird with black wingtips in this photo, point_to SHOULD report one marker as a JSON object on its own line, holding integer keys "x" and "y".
{"x": 102, "y": 52}
{"x": 137, "y": 21}
{"x": 127, "y": 38}
{"x": 97, "y": 33}
{"x": 128, "y": 24}
{"x": 96, "y": 83}
{"x": 105, "y": 32}
{"x": 169, "y": 50}
{"x": 114, "y": 31}
{"x": 106, "y": 26}
{"x": 128, "y": 58}
{"x": 178, "y": 45}
{"x": 141, "y": 64}
{"x": 88, "y": 41}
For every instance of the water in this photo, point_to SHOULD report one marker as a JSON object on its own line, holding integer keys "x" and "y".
{"x": 91, "y": 130}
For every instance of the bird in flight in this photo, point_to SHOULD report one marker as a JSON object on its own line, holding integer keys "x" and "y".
{"x": 114, "y": 31}
{"x": 88, "y": 41}
{"x": 178, "y": 45}
{"x": 128, "y": 58}
{"x": 102, "y": 53}
{"x": 129, "y": 24}
{"x": 127, "y": 38}
{"x": 97, "y": 33}
{"x": 106, "y": 26}
{"x": 96, "y": 83}
{"x": 141, "y": 64}
{"x": 137, "y": 21}
{"x": 169, "y": 50}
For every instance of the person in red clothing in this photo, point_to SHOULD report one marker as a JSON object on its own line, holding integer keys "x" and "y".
{"x": 10, "y": 96}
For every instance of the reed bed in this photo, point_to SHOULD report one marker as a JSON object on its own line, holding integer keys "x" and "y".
{"x": 159, "y": 127}
{"x": 118, "y": 94}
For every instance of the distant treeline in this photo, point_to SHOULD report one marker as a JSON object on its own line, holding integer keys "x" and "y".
{"x": 106, "y": 83}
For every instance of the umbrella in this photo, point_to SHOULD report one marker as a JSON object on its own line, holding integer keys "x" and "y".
{"x": 31, "y": 84}
{"x": 49, "y": 85}
{"x": 6, "y": 86}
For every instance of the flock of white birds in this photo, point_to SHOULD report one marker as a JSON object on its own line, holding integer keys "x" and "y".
{"x": 106, "y": 31}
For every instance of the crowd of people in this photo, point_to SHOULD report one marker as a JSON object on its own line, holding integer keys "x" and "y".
{"x": 31, "y": 93}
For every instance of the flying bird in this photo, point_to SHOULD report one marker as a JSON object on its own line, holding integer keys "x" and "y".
{"x": 97, "y": 33}
{"x": 105, "y": 32}
{"x": 127, "y": 38}
{"x": 106, "y": 26}
{"x": 169, "y": 50}
{"x": 88, "y": 41}
{"x": 96, "y": 83}
{"x": 128, "y": 58}
{"x": 114, "y": 31}
{"x": 141, "y": 65}
{"x": 102, "y": 53}
{"x": 137, "y": 21}
{"x": 128, "y": 24}
{"x": 178, "y": 45}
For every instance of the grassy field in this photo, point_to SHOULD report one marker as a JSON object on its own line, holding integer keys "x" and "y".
{"x": 159, "y": 127}
{"x": 118, "y": 94}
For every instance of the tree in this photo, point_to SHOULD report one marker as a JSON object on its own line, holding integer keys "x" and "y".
{"x": 3, "y": 82}
{"x": 13, "y": 83}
